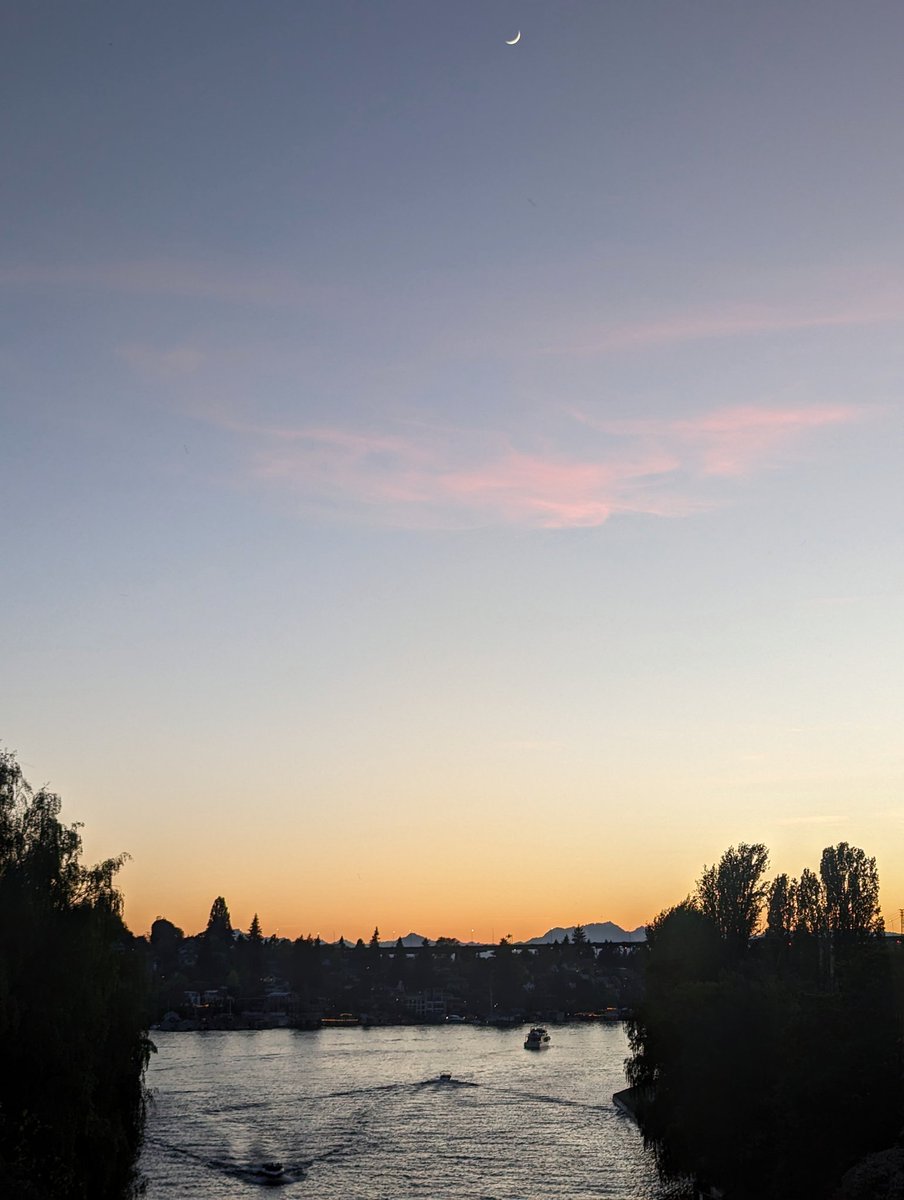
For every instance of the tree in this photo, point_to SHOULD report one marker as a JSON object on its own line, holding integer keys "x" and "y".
{"x": 739, "y": 1057}
{"x": 687, "y": 945}
{"x": 166, "y": 938}
{"x": 732, "y": 893}
{"x": 851, "y": 892}
{"x": 166, "y": 941}
{"x": 216, "y": 946}
{"x": 73, "y": 1018}
{"x": 219, "y": 926}
{"x": 374, "y": 964}
{"x": 252, "y": 956}
{"x": 809, "y": 907}
{"x": 780, "y": 910}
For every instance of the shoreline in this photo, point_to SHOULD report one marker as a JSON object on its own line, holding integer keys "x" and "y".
{"x": 246, "y": 1024}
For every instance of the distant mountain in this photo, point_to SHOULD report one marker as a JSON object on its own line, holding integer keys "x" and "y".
{"x": 409, "y": 940}
{"x": 601, "y": 931}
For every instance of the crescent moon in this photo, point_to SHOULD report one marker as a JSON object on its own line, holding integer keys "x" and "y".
{"x": 515, "y": 40}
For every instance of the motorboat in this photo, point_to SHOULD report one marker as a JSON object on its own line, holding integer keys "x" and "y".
{"x": 272, "y": 1172}
{"x": 445, "y": 1077}
{"x": 537, "y": 1039}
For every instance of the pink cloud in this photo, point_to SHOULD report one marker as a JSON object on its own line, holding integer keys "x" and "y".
{"x": 434, "y": 477}
{"x": 731, "y": 441}
{"x": 553, "y": 491}
{"x": 735, "y": 442}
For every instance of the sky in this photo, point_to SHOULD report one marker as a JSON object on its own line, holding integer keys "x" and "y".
{"x": 448, "y": 485}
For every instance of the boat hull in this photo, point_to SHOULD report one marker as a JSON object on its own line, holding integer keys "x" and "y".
{"x": 537, "y": 1039}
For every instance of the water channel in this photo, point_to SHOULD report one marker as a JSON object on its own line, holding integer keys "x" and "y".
{"x": 362, "y": 1114}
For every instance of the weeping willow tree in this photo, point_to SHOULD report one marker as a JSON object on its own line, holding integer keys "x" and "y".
{"x": 73, "y": 1044}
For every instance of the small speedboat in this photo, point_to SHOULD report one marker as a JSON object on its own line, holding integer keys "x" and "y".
{"x": 272, "y": 1172}
{"x": 537, "y": 1039}
{"x": 445, "y": 1076}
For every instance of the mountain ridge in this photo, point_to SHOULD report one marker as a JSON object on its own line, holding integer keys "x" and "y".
{"x": 596, "y": 931}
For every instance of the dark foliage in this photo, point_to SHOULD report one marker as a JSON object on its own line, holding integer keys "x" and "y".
{"x": 769, "y": 1066}
{"x": 72, "y": 1011}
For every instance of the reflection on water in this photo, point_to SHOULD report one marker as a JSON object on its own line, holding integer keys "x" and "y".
{"x": 365, "y": 1115}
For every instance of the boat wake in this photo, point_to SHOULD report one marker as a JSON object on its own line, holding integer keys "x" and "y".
{"x": 543, "y": 1098}
{"x": 259, "y": 1172}
{"x": 375, "y": 1089}
{"x": 266, "y": 1174}
{"x": 371, "y": 1090}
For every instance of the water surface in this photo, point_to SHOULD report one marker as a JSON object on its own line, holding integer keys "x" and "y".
{"x": 362, "y": 1115}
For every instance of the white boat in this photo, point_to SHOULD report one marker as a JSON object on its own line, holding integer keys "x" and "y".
{"x": 537, "y": 1039}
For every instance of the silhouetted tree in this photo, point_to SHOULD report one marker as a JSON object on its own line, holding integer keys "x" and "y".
{"x": 582, "y": 947}
{"x": 687, "y": 945}
{"x": 850, "y": 884}
{"x": 252, "y": 957}
{"x": 780, "y": 909}
{"x": 741, "y": 1057}
{"x": 219, "y": 925}
{"x": 73, "y": 1046}
{"x": 166, "y": 938}
{"x": 216, "y": 946}
{"x": 374, "y": 965}
{"x": 732, "y": 893}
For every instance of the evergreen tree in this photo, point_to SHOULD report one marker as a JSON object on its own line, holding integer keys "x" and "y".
{"x": 214, "y": 958}
{"x": 219, "y": 925}
{"x": 582, "y": 947}
{"x": 253, "y": 958}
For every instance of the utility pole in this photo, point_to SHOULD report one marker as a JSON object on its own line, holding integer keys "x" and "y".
{"x": 901, "y": 919}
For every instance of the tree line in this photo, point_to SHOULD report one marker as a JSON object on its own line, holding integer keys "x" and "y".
{"x": 246, "y": 973}
{"x": 770, "y": 1065}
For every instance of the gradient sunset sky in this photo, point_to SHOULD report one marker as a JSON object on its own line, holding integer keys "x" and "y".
{"x": 450, "y": 485}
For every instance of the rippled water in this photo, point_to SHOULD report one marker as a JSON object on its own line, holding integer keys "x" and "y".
{"x": 362, "y": 1115}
